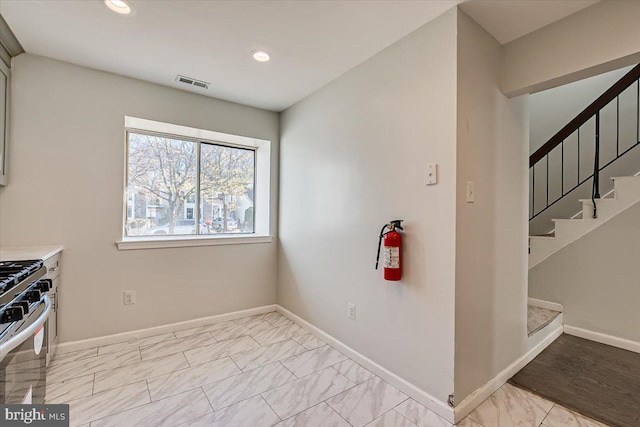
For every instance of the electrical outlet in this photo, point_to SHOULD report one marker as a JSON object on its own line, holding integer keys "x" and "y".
{"x": 351, "y": 311}
{"x": 129, "y": 297}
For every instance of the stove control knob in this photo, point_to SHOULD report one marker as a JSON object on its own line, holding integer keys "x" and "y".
{"x": 33, "y": 296}
{"x": 24, "y": 305}
{"x": 44, "y": 285}
{"x": 11, "y": 314}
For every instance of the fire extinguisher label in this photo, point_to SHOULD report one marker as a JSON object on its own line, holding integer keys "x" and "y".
{"x": 391, "y": 257}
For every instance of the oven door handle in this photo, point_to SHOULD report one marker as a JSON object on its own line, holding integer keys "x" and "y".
{"x": 22, "y": 336}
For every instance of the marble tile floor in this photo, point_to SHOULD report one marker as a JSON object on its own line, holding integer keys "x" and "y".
{"x": 258, "y": 371}
{"x": 538, "y": 318}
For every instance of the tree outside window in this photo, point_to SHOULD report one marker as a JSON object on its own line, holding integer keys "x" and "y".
{"x": 165, "y": 187}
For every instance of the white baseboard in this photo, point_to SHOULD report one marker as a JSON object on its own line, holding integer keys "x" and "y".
{"x": 149, "y": 332}
{"x": 480, "y": 395}
{"x": 419, "y": 395}
{"x": 603, "y": 338}
{"x": 545, "y": 304}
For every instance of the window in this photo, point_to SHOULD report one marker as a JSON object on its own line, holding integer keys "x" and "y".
{"x": 180, "y": 178}
{"x": 185, "y": 183}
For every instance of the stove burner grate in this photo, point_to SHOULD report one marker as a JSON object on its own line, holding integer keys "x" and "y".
{"x": 13, "y": 272}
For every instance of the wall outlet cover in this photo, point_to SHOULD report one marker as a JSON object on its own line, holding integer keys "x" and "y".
{"x": 351, "y": 311}
{"x": 129, "y": 297}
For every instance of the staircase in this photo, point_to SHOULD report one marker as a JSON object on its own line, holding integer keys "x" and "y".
{"x": 625, "y": 194}
{"x": 556, "y": 160}
{"x": 601, "y": 140}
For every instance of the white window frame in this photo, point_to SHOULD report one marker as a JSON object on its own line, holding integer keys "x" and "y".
{"x": 262, "y": 190}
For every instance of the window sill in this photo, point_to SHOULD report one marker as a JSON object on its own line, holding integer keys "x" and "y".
{"x": 184, "y": 242}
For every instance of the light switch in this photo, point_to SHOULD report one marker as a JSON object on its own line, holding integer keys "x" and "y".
{"x": 432, "y": 173}
{"x": 471, "y": 192}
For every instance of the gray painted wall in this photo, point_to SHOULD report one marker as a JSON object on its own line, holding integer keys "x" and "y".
{"x": 597, "y": 39}
{"x": 66, "y": 187}
{"x": 552, "y": 109}
{"x": 491, "y": 234}
{"x": 354, "y": 156}
{"x": 597, "y": 278}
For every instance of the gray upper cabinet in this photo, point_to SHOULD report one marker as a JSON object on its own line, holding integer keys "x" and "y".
{"x": 4, "y": 121}
{"x": 9, "y": 47}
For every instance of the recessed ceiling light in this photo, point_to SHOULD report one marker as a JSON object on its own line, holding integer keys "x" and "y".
{"x": 261, "y": 55}
{"x": 118, "y": 6}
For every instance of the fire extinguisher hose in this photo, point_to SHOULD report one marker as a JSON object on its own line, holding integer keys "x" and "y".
{"x": 380, "y": 244}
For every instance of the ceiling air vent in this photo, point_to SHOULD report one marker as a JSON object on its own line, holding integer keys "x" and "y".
{"x": 192, "y": 82}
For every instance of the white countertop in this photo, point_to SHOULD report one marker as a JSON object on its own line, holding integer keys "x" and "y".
{"x": 28, "y": 252}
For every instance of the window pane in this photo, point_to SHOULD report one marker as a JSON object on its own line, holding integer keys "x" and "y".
{"x": 226, "y": 189}
{"x": 161, "y": 186}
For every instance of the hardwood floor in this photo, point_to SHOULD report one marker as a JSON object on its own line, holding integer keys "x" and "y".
{"x": 597, "y": 380}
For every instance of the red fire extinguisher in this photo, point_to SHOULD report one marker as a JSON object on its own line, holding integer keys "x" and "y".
{"x": 392, "y": 250}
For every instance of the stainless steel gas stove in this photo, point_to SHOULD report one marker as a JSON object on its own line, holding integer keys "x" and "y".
{"x": 24, "y": 309}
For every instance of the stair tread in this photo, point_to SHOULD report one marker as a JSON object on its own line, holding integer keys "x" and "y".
{"x": 613, "y": 178}
{"x": 567, "y": 230}
{"x": 569, "y": 220}
{"x": 538, "y": 318}
{"x": 606, "y": 199}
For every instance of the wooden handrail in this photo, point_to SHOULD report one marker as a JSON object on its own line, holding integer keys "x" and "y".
{"x": 611, "y": 93}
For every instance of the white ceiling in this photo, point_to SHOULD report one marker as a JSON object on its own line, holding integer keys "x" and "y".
{"x": 508, "y": 20}
{"x": 312, "y": 42}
